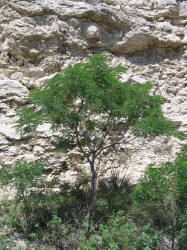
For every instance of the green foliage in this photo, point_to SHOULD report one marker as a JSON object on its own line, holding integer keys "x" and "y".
{"x": 118, "y": 233}
{"x": 112, "y": 195}
{"x": 64, "y": 143}
{"x": 86, "y": 102}
{"x": 122, "y": 233}
{"x": 161, "y": 194}
{"x": 183, "y": 231}
{"x": 92, "y": 89}
{"x": 147, "y": 239}
{"x": 58, "y": 218}
{"x": 165, "y": 184}
{"x": 23, "y": 175}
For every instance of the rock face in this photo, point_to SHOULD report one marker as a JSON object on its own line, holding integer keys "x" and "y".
{"x": 38, "y": 38}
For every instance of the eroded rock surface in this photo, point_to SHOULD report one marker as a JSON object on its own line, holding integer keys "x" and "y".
{"x": 38, "y": 38}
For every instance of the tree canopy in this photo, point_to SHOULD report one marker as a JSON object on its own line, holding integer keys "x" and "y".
{"x": 90, "y": 96}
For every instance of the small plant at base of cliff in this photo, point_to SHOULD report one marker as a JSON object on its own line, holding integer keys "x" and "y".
{"x": 22, "y": 177}
{"x": 161, "y": 194}
{"x": 93, "y": 110}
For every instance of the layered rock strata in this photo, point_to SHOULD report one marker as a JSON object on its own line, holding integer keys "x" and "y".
{"x": 38, "y": 38}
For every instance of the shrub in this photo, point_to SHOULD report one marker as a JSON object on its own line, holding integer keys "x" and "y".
{"x": 22, "y": 177}
{"x": 161, "y": 194}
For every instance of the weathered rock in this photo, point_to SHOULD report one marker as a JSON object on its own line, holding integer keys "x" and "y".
{"x": 38, "y": 38}
{"x": 120, "y": 28}
{"x": 12, "y": 90}
{"x": 3, "y": 143}
{"x": 93, "y": 32}
{"x": 165, "y": 245}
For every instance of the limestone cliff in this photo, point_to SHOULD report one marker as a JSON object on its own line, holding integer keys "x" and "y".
{"x": 39, "y": 37}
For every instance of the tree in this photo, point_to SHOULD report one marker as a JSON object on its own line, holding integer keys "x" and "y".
{"x": 93, "y": 110}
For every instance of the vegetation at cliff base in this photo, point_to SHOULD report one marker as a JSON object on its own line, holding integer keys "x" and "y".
{"x": 93, "y": 110}
{"x": 124, "y": 217}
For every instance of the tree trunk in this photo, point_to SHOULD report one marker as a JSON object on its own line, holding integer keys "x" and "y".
{"x": 91, "y": 195}
{"x": 173, "y": 235}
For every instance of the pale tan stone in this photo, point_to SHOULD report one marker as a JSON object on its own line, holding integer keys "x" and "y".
{"x": 38, "y": 38}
